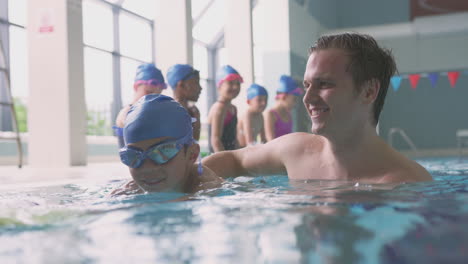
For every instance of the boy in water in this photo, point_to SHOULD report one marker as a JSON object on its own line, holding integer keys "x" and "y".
{"x": 148, "y": 80}
{"x": 185, "y": 83}
{"x": 160, "y": 150}
{"x": 251, "y": 123}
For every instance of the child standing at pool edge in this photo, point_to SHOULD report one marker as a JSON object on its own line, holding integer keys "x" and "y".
{"x": 251, "y": 123}
{"x": 223, "y": 114}
{"x": 160, "y": 150}
{"x": 148, "y": 80}
{"x": 185, "y": 83}
{"x": 278, "y": 119}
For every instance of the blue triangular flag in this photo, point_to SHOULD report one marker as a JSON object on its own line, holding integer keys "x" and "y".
{"x": 433, "y": 77}
{"x": 396, "y": 82}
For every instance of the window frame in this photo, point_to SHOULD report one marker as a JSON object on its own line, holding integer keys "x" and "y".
{"x": 117, "y": 9}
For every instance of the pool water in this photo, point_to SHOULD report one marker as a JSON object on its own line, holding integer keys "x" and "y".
{"x": 247, "y": 220}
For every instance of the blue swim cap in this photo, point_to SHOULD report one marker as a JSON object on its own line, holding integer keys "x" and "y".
{"x": 256, "y": 90}
{"x": 288, "y": 86}
{"x": 155, "y": 116}
{"x": 227, "y": 73}
{"x": 180, "y": 72}
{"x": 148, "y": 73}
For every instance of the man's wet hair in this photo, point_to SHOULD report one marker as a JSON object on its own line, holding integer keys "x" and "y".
{"x": 368, "y": 62}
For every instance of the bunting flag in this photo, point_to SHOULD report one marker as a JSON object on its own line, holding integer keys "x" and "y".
{"x": 433, "y": 77}
{"x": 414, "y": 79}
{"x": 453, "y": 77}
{"x": 396, "y": 82}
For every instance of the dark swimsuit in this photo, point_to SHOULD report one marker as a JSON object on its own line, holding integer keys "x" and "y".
{"x": 229, "y": 136}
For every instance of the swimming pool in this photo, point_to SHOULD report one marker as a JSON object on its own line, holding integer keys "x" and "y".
{"x": 248, "y": 220}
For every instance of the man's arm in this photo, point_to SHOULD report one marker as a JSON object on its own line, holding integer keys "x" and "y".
{"x": 408, "y": 171}
{"x": 254, "y": 161}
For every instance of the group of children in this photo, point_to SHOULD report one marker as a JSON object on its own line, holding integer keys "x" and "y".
{"x": 154, "y": 128}
{"x": 226, "y": 133}
{"x": 184, "y": 81}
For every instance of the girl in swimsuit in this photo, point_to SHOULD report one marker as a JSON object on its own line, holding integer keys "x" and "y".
{"x": 278, "y": 119}
{"x": 222, "y": 117}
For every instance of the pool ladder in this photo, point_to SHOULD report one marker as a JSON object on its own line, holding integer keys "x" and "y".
{"x": 10, "y": 104}
{"x": 395, "y": 130}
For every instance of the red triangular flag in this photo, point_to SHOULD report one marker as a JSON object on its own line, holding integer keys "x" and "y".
{"x": 414, "y": 79}
{"x": 453, "y": 77}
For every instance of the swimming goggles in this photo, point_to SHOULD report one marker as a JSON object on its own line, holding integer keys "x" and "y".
{"x": 160, "y": 153}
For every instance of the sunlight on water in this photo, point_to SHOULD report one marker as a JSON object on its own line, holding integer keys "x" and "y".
{"x": 247, "y": 220}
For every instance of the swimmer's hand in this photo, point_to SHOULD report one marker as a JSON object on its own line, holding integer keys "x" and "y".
{"x": 127, "y": 189}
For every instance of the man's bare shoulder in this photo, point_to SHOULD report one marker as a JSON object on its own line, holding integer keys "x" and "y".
{"x": 406, "y": 170}
{"x": 299, "y": 141}
{"x": 296, "y": 146}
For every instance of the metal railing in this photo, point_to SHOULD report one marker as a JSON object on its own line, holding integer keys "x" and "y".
{"x": 395, "y": 130}
{"x": 462, "y": 140}
{"x": 15, "y": 135}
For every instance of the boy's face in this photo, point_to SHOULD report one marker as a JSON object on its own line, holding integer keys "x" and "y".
{"x": 258, "y": 103}
{"x": 170, "y": 176}
{"x": 192, "y": 88}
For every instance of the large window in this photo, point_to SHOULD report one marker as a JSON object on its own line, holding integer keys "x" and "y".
{"x": 200, "y": 62}
{"x": 208, "y": 35}
{"x": 129, "y": 66}
{"x": 13, "y": 40}
{"x": 257, "y": 30}
{"x": 118, "y": 36}
{"x": 135, "y": 37}
{"x": 208, "y": 49}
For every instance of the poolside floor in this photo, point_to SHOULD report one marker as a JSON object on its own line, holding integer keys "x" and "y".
{"x": 12, "y": 175}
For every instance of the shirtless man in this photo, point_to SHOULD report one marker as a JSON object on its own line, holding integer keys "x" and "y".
{"x": 346, "y": 81}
